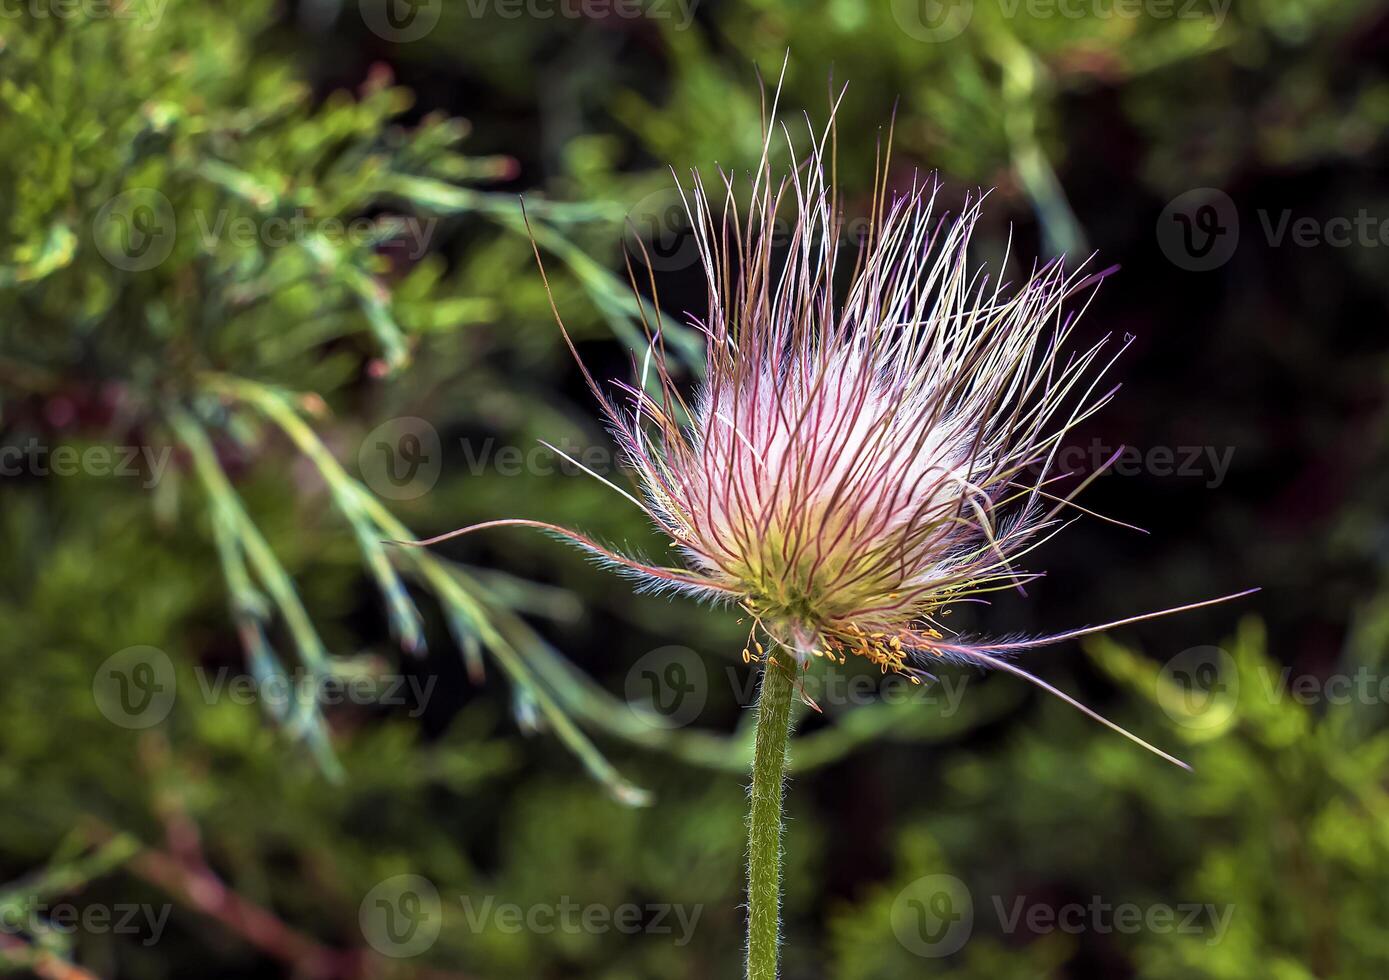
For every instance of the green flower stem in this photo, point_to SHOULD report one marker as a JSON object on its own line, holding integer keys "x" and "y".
{"x": 764, "y": 821}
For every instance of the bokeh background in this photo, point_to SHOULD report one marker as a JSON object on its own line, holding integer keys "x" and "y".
{"x": 267, "y": 299}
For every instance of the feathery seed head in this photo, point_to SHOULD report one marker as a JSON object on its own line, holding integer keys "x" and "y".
{"x": 845, "y": 470}
{"x": 848, "y": 469}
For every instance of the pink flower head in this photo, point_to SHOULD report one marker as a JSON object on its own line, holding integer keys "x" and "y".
{"x": 847, "y": 470}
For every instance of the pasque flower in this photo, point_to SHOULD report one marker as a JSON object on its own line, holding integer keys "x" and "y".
{"x": 847, "y": 471}
{"x": 850, "y": 469}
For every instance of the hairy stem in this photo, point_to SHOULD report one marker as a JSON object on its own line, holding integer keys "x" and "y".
{"x": 764, "y": 821}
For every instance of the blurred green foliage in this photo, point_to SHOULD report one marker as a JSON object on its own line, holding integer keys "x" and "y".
{"x": 261, "y": 363}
